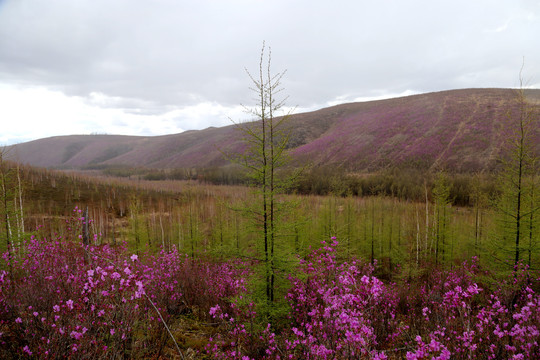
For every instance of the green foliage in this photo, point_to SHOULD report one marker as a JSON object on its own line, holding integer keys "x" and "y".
{"x": 404, "y": 184}
{"x": 150, "y": 215}
{"x": 265, "y": 153}
{"x": 441, "y": 198}
{"x": 518, "y": 205}
{"x": 11, "y": 207}
{"x": 205, "y": 220}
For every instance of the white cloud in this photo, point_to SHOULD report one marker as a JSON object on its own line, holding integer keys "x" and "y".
{"x": 140, "y": 67}
{"x": 376, "y": 95}
{"x": 501, "y": 28}
{"x": 35, "y": 112}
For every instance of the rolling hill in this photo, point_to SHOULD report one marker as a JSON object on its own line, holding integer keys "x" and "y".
{"x": 461, "y": 130}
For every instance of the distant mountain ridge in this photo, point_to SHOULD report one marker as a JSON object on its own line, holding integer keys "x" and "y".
{"x": 461, "y": 130}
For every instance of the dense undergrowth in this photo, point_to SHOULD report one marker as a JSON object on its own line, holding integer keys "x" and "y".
{"x": 401, "y": 183}
{"x": 61, "y": 300}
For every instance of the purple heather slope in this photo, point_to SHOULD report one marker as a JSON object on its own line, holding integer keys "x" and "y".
{"x": 462, "y": 130}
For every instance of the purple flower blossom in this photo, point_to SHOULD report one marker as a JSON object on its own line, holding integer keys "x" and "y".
{"x": 26, "y": 349}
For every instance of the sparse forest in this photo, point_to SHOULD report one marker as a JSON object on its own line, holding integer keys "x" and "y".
{"x": 261, "y": 260}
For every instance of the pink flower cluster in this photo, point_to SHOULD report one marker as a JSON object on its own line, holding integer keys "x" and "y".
{"x": 340, "y": 310}
{"x": 60, "y": 300}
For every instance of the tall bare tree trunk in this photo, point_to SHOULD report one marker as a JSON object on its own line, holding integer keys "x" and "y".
{"x": 86, "y": 236}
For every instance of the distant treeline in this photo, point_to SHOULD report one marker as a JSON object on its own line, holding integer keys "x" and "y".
{"x": 230, "y": 175}
{"x": 405, "y": 184}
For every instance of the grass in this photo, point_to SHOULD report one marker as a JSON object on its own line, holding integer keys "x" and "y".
{"x": 203, "y": 218}
{"x": 197, "y": 259}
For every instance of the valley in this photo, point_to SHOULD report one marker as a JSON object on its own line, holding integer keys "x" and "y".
{"x": 395, "y": 238}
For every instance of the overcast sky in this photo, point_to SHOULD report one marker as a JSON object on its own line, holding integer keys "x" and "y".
{"x": 141, "y": 67}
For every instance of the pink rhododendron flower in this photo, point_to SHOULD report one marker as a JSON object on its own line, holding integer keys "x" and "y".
{"x": 26, "y": 349}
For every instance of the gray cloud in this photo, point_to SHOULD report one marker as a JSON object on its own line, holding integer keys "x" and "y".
{"x": 154, "y": 57}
